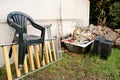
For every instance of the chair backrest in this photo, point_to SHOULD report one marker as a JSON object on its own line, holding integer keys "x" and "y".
{"x": 20, "y": 19}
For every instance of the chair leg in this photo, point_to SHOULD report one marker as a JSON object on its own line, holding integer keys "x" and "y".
{"x": 10, "y": 52}
{"x": 21, "y": 56}
{"x": 42, "y": 51}
{"x": 43, "y": 36}
{"x": 22, "y": 46}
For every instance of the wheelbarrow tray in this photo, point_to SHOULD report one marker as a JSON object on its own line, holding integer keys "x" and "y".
{"x": 75, "y": 47}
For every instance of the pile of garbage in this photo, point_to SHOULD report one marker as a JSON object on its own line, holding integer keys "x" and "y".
{"x": 117, "y": 41}
{"x": 106, "y": 32}
{"x": 85, "y": 35}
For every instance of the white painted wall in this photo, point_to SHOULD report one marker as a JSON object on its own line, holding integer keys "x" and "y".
{"x": 44, "y": 12}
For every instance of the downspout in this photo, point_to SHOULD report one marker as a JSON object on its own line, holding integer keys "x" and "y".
{"x": 59, "y": 22}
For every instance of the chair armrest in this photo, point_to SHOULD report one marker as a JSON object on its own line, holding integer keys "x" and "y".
{"x": 40, "y": 28}
{"x": 37, "y": 26}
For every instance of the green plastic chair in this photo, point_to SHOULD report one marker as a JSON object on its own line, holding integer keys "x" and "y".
{"x": 18, "y": 20}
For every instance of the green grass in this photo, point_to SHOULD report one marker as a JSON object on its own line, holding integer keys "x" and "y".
{"x": 79, "y": 67}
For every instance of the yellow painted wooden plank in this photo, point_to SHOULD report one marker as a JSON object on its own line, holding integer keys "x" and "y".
{"x": 54, "y": 51}
{"x": 30, "y": 55}
{"x": 43, "y": 61}
{"x": 37, "y": 56}
{"x": 15, "y": 54}
{"x": 46, "y": 53}
{"x": 49, "y": 49}
{"x": 7, "y": 62}
{"x": 25, "y": 65}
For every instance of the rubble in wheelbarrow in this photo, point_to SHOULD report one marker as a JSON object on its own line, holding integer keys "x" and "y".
{"x": 79, "y": 36}
{"x": 83, "y": 37}
{"x": 79, "y": 41}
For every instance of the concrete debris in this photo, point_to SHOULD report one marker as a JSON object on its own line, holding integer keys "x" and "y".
{"x": 106, "y": 32}
{"x": 117, "y": 30}
{"x": 117, "y": 42}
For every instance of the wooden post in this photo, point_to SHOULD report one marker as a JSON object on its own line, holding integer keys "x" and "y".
{"x": 30, "y": 55}
{"x": 37, "y": 56}
{"x": 53, "y": 47}
{"x": 25, "y": 66}
{"x": 7, "y": 62}
{"x": 49, "y": 49}
{"x": 43, "y": 61}
{"x": 15, "y": 53}
{"x": 46, "y": 53}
